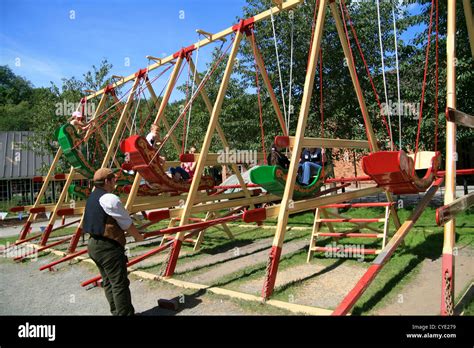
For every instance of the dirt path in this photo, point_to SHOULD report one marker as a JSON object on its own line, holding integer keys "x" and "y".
{"x": 24, "y": 290}
{"x": 210, "y": 276}
{"x": 325, "y": 285}
{"x": 422, "y": 295}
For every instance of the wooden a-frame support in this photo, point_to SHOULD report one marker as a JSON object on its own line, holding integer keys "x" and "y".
{"x": 214, "y": 126}
{"x": 114, "y": 142}
{"x": 218, "y": 36}
{"x": 299, "y": 138}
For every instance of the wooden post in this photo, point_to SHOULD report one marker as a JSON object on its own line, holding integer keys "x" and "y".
{"x": 165, "y": 122}
{"x": 287, "y": 202}
{"x": 268, "y": 85}
{"x": 120, "y": 124}
{"x": 32, "y": 217}
{"x": 220, "y": 131}
{"x": 64, "y": 192}
{"x": 447, "y": 297}
{"x": 169, "y": 89}
{"x": 360, "y": 97}
{"x": 355, "y": 81}
{"x": 287, "y": 5}
{"x": 113, "y": 143}
{"x": 159, "y": 116}
{"x": 170, "y": 267}
{"x": 469, "y": 23}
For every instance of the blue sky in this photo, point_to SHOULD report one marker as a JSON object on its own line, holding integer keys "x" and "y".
{"x": 40, "y": 41}
{"x": 46, "y": 40}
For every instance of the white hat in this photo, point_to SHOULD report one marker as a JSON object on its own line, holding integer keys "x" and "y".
{"x": 77, "y": 114}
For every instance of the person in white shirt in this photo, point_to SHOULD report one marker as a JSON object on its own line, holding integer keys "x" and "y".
{"x": 107, "y": 222}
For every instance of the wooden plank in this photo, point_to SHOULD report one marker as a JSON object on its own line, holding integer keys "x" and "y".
{"x": 204, "y": 149}
{"x": 312, "y": 203}
{"x": 331, "y": 143}
{"x": 214, "y": 37}
{"x": 460, "y": 117}
{"x": 353, "y": 73}
{"x": 287, "y": 203}
{"x": 447, "y": 267}
{"x": 168, "y": 91}
{"x": 39, "y": 197}
{"x": 268, "y": 85}
{"x": 219, "y": 129}
{"x": 156, "y": 101}
{"x": 293, "y": 307}
{"x": 449, "y": 211}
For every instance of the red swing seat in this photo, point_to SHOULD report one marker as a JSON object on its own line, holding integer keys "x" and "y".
{"x": 394, "y": 171}
{"x": 146, "y": 161}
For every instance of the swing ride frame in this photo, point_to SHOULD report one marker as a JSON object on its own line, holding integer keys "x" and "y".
{"x": 196, "y": 202}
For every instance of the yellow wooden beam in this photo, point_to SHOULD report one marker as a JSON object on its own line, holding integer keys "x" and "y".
{"x": 218, "y": 36}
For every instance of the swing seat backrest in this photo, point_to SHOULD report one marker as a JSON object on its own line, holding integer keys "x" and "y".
{"x": 146, "y": 161}
{"x": 395, "y": 171}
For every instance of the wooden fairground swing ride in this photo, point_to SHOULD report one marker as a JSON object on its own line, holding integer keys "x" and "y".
{"x": 163, "y": 198}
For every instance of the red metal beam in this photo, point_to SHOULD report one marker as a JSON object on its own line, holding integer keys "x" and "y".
{"x": 469, "y": 171}
{"x": 64, "y": 259}
{"x": 349, "y": 179}
{"x": 202, "y": 225}
{"x": 19, "y": 258}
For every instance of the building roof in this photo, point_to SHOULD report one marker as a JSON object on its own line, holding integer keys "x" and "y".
{"x": 17, "y": 162}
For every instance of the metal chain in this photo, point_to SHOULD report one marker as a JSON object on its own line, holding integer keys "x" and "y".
{"x": 448, "y": 298}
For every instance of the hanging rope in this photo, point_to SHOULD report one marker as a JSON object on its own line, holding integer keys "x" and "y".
{"x": 379, "y": 23}
{"x": 313, "y": 27}
{"x": 134, "y": 118}
{"x": 345, "y": 13}
{"x": 423, "y": 88}
{"x": 155, "y": 105}
{"x": 257, "y": 84}
{"x": 395, "y": 36}
{"x": 436, "y": 76}
{"x": 183, "y": 140}
{"x": 351, "y": 56}
{"x": 278, "y": 64}
{"x": 290, "y": 109}
{"x": 321, "y": 103}
{"x": 95, "y": 126}
{"x": 201, "y": 85}
{"x": 193, "y": 85}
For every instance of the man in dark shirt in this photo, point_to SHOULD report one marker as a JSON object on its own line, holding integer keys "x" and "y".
{"x": 107, "y": 221}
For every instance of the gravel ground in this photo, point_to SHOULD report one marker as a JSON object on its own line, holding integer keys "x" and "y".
{"x": 325, "y": 286}
{"x": 10, "y": 229}
{"x": 24, "y": 290}
{"x": 210, "y": 276}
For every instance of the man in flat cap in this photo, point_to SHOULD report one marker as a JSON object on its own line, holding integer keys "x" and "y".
{"x": 107, "y": 222}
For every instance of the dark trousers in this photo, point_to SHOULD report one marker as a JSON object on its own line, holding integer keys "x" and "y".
{"x": 111, "y": 260}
